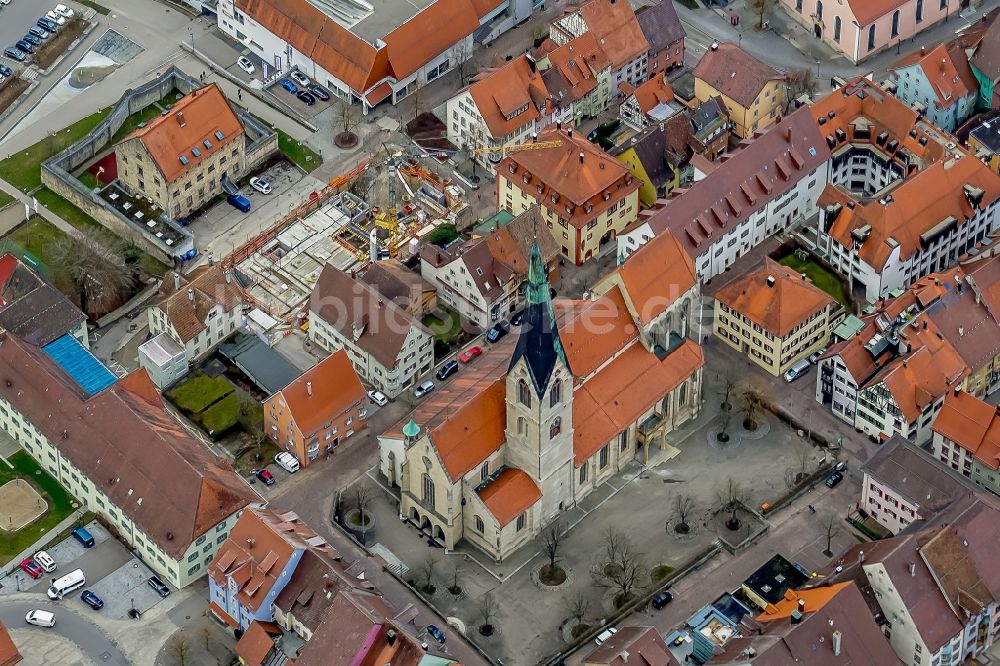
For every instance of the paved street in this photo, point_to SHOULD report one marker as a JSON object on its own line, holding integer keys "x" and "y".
{"x": 70, "y": 624}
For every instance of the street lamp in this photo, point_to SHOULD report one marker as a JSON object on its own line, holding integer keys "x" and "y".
{"x": 817, "y": 69}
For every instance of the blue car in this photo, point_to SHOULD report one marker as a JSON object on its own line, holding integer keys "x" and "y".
{"x": 24, "y": 46}
{"x": 92, "y": 600}
{"x": 15, "y": 53}
{"x": 48, "y": 24}
{"x": 436, "y": 633}
{"x": 5, "y": 70}
{"x": 41, "y": 33}
{"x": 289, "y": 86}
{"x": 32, "y": 39}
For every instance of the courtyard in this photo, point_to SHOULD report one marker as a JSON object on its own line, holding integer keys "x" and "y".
{"x": 29, "y": 497}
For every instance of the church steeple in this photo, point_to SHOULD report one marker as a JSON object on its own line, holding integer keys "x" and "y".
{"x": 539, "y": 343}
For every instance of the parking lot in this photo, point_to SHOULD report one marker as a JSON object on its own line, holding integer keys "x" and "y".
{"x": 15, "y": 19}
{"x": 289, "y": 98}
{"x": 112, "y": 573}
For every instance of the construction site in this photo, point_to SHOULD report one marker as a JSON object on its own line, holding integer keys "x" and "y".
{"x": 382, "y": 208}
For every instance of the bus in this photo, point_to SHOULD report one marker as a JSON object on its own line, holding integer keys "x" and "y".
{"x": 74, "y": 580}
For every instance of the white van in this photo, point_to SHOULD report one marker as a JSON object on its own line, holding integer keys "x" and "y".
{"x": 74, "y": 580}
{"x": 287, "y": 461}
{"x": 45, "y": 561}
{"x": 797, "y": 370}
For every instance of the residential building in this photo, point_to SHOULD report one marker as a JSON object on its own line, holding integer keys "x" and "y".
{"x": 767, "y": 187}
{"x": 937, "y": 83}
{"x": 180, "y": 159}
{"x": 772, "y": 580}
{"x": 711, "y": 127}
{"x": 198, "y": 310}
{"x": 632, "y": 646}
{"x": 660, "y": 157}
{"x": 774, "y": 315}
{"x": 903, "y": 484}
{"x": 967, "y": 439}
{"x": 579, "y": 75}
{"x": 165, "y": 495}
{"x": 585, "y": 196}
{"x": 652, "y": 102}
{"x": 984, "y": 143}
{"x": 860, "y": 28}
{"x": 388, "y": 347}
{"x": 483, "y": 279}
{"x": 502, "y": 107}
{"x": 34, "y": 310}
{"x": 615, "y": 27}
{"x": 665, "y": 33}
{"x": 540, "y": 419}
{"x": 985, "y": 64}
{"x": 323, "y": 407}
{"x": 365, "y": 55}
{"x": 164, "y": 359}
{"x": 754, "y": 93}
{"x": 402, "y": 286}
{"x": 903, "y": 200}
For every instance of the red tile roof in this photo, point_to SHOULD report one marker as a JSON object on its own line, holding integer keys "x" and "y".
{"x": 255, "y": 644}
{"x": 592, "y": 332}
{"x": 652, "y": 93}
{"x": 188, "y": 312}
{"x": 329, "y": 388}
{"x": 655, "y": 276}
{"x": 616, "y": 28}
{"x": 509, "y": 495}
{"x": 427, "y": 35}
{"x": 191, "y": 126}
{"x": 735, "y": 73}
{"x": 579, "y": 62}
{"x": 632, "y": 646}
{"x": 867, "y": 11}
{"x": 9, "y": 655}
{"x": 500, "y": 92}
{"x": 947, "y": 71}
{"x": 972, "y": 424}
{"x": 473, "y": 432}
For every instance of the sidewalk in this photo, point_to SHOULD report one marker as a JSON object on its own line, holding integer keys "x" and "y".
{"x": 41, "y": 544}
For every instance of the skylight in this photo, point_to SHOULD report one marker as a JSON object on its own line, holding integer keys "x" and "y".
{"x": 196, "y": 152}
{"x": 184, "y": 160}
{"x": 219, "y": 135}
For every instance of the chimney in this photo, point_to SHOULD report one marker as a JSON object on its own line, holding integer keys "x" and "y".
{"x": 180, "y": 119}
{"x": 250, "y": 542}
{"x": 569, "y": 132}
{"x": 558, "y": 124}
{"x": 211, "y": 259}
{"x": 770, "y": 281}
{"x": 309, "y": 389}
{"x": 581, "y": 157}
{"x": 191, "y": 294}
{"x": 796, "y": 617}
{"x": 390, "y": 637}
{"x": 923, "y": 50}
{"x": 534, "y": 137}
{"x": 802, "y": 605}
{"x": 913, "y": 568}
{"x": 177, "y": 281}
{"x": 229, "y": 277}
{"x": 837, "y": 640}
{"x": 861, "y": 557}
{"x": 961, "y": 331}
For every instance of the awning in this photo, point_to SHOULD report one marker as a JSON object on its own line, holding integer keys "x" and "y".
{"x": 378, "y": 93}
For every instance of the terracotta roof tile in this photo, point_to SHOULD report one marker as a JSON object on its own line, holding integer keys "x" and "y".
{"x": 735, "y": 73}
{"x": 986, "y": 57}
{"x": 473, "y": 432}
{"x": 188, "y": 312}
{"x": 972, "y": 424}
{"x": 9, "y": 655}
{"x": 509, "y": 495}
{"x": 774, "y": 296}
{"x": 652, "y": 93}
{"x": 396, "y": 282}
{"x": 866, "y": 11}
{"x": 499, "y": 92}
{"x": 254, "y": 645}
{"x": 190, "y": 129}
{"x": 592, "y": 332}
{"x": 579, "y": 63}
{"x": 429, "y": 33}
{"x": 329, "y": 388}
{"x": 616, "y": 28}
{"x": 655, "y": 276}
{"x": 632, "y": 646}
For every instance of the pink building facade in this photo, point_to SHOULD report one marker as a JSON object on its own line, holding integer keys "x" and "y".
{"x": 861, "y": 28}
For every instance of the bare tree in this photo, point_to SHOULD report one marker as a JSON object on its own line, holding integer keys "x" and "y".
{"x": 725, "y": 418}
{"x": 683, "y": 508}
{"x": 362, "y": 496}
{"x": 577, "y": 604}
{"x": 620, "y": 567}
{"x": 97, "y": 266}
{"x": 346, "y": 115}
{"x": 418, "y": 97}
{"x": 551, "y": 539}
{"x": 799, "y": 470}
{"x": 179, "y": 649}
{"x": 753, "y": 401}
{"x": 456, "y": 570}
{"x": 731, "y": 498}
{"x": 205, "y": 634}
{"x": 426, "y": 570}
{"x": 831, "y": 528}
{"x": 762, "y": 9}
{"x": 727, "y": 388}
{"x": 487, "y": 611}
{"x": 799, "y": 82}
{"x": 464, "y": 60}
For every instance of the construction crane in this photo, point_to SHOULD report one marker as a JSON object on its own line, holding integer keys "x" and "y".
{"x": 517, "y": 147}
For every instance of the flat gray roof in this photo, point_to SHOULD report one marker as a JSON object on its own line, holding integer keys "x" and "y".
{"x": 371, "y": 20}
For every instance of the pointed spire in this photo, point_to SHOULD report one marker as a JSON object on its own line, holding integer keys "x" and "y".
{"x": 539, "y": 342}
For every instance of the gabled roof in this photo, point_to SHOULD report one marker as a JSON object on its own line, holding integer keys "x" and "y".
{"x": 632, "y": 646}
{"x": 660, "y": 25}
{"x": 577, "y": 321}
{"x": 509, "y": 495}
{"x": 428, "y": 34}
{"x": 329, "y": 388}
{"x": 196, "y": 127}
{"x": 31, "y": 308}
{"x": 186, "y": 300}
{"x": 986, "y": 57}
{"x": 973, "y": 424}
{"x": 867, "y": 11}
{"x": 396, "y": 282}
{"x": 941, "y": 67}
{"x": 735, "y": 73}
{"x": 579, "y": 63}
{"x": 148, "y": 464}
{"x": 500, "y": 93}
{"x": 653, "y": 93}
{"x": 774, "y": 296}
{"x": 617, "y": 31}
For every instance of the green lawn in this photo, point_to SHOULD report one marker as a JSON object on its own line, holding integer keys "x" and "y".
{"x": 60, "y": 504}
{"x": 821, "y": 277}
{"x": 132, "y": 122}
{"x": 89, "y": 180}
{"x": 69, "y": 212}
{"x": 5, "y": 199}
{"x": 23, "y": 169}
{"x": 302, "y": 155}
{"x": 445, "y": 330}
{"x": 221, "y": 416}
{"x": 199, "y": 392}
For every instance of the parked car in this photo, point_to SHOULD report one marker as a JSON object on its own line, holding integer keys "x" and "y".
{"x": 423, "y": 388}
{"x": 24, "y": 46}
{"x": 92, "y": 600}
{"x": 5, "y": 70}
{"x": 797, "y": 370}
{"x": 32, "y": 568}
{"x": 834, "y": 479}
{"x": 814, "y": 357}
{"x": 299, "y": 78}
{"x": 31, "y": 39}
{"x": 239, "y": 202}
{"x": 288, "y": 85}
{"x": 63, "y": 10}
{"x": 15, "y": 53}
{"x": 378, "y": 398}
{"x": 306, "y": 98}
{"x": 840, "y": 466}
{"x": 45, "y": 561}
{"x": 40, "y": 618}
{"x": 244, "y": 63}
{"x": 661, "y": 600}
{"x": 41, "y": 33}
{"x": 83, "y": 536}
{"x": 158, "y": 585}
{"x": 447, "y": 370}
{"x": 48, "y": 24}
{"x": 265, "y": 476}
{"x": 498, "y": 331}
{"x": 469, "y": 354}
{"x": 287, "y": 462}
{"x": 319, "y": 92}
{"x": 605, "y": 635}
{"x": 436, "y": 633}
{"x": 517, "y": 318}
{"x": 260, "y": 185}
{"x": 59, "y": 19}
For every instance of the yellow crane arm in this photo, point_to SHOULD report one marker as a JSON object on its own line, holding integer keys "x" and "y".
{"x": 516, "y": 147}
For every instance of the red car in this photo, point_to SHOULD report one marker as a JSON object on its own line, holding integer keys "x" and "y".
{"x": 470, "y": 353}
{"x": 32, "y": 568}
{"x": 265, "y": 476}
